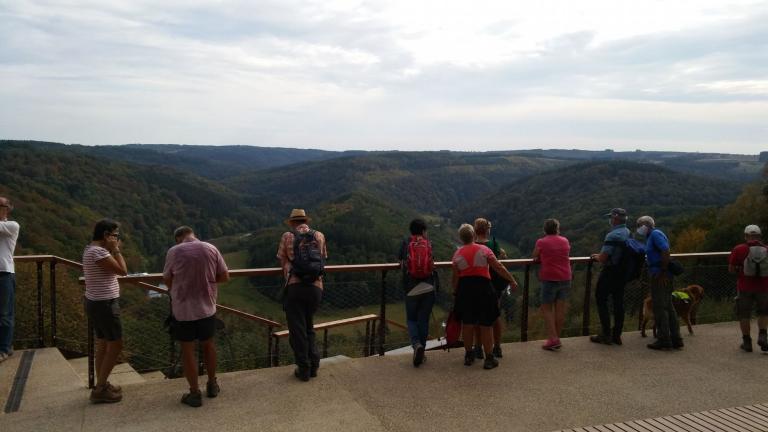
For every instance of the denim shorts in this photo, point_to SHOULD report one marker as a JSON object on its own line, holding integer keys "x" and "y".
{"x": 552, "y": 291}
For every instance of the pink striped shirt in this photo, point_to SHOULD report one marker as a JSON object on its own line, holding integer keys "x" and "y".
{"x": 100, "y": 283}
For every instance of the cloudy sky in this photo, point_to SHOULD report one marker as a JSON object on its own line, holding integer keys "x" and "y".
{"x": 390, "y": 74}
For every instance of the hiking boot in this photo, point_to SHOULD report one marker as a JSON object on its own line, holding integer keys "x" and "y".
{"x": 469, "y": 358}
{"x": 762, "y": 340}
{"x": 677, "y": 343}
{"x": 102, "y": 394}
{"x": 660, "y": 345}
{"x": 746, "y": 343}
{"x": 601, "y": 339}
{"x": 418, "y": 355}
{"x": 479, "y": 352}
{"x": 552, "y": 345}
{"x": 490, "y": 362}
{"x": 301, "y": 373}
{"x": 114, "y": 388}
{"x": 193, "y": 399}
{"x": 616, "y": 340}
{"x": 212, "y": 388}
{"x": 497, "y": 351}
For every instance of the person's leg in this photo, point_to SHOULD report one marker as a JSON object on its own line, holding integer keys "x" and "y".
{"x": 412, "y": 319}
{"x": 617, "y": 298}
{"x": 486, "y": 338}
{"x": 744, "y": 306}
{"x": 602, "y": 292}
{"x": 661, "y": 299}
{"x": 468, "y": 334}
{"x": 426, "y": 302}
{"x": 762, "y": 320}
{"x": 312, "y": 303}
{"x": 674, "y": 320}
{"x": 99, "y": 353}
{"x": 189, "y": 363}
{"x": 498, "y": 331}
{"x": 560, "y": 308}
{"x": 7, "y": 306}
{"x": 296, "y": 319}
{"x": 111, "y": 354}
{"x": 209, "y": 356}
{"x": 548, "y": 312}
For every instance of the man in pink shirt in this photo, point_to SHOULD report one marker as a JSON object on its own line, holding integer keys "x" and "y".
{"x": 192, "y": 270}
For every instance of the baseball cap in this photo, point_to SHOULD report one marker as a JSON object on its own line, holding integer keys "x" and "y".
{"x": 617, "y": 212}
{"x": 752, "y": 230}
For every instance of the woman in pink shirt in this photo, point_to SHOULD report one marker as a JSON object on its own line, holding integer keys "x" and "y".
{"x": 475, "y": 300}
{"x": 553, "y": 251}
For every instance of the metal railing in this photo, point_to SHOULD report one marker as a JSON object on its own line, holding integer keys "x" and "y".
{"x": 375, "y": 298}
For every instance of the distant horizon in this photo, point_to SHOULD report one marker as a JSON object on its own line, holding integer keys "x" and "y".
{"x": 396, "y": 149}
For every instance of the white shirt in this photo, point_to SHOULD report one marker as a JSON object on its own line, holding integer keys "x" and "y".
{"x": 9, "y": 233}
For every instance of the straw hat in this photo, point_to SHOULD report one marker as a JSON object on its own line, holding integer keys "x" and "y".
{"x": 297, "y": 215}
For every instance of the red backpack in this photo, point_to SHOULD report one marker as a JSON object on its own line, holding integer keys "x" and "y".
{"x": 419, "y": 261}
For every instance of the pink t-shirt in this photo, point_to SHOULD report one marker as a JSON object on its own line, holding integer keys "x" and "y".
{"x": 554, "y": 251}
{"x": 100, "y": 283}
{"x": 193, "y": 266}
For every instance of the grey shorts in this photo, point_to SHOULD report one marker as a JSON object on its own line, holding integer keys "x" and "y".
{"x": 105, "y": 317}
{"x": 746, "y": 302}
{"x": 552, "y": 291}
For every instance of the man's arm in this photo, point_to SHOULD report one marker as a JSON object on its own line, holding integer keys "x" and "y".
{"x": 222, "y": 272}
{"x": 9, "y": 228}
{"x": 601, "y": 257}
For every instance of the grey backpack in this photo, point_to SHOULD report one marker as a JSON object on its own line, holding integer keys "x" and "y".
{"x": 756, "y": 262}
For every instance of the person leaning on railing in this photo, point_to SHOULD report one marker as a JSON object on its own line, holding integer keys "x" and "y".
{"x": 482, "y": 228}
{"x": 553, "y": 253}
{"x": 102, "y": 263}
{"x": 9, "y": 233}
{"x": 475, "y": 300}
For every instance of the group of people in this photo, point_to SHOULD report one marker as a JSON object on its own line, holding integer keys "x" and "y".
{"x": 193, "y": 269}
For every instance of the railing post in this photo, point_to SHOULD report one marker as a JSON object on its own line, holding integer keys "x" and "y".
{"x": 325, "y": 343}
{"x": 383, "y": 312}
{"x": 277, "y": 352}
{"x": 524, "y": 312}
{"x": 53, "y": 302}
{"x": 269, "y": 346}
{"x": 371, "y": 339}
{"x": 91, "y": 357}
{"x": 587, "y": 301}
{"x": 40, "y": 318}
{"x": 366, "y": 344}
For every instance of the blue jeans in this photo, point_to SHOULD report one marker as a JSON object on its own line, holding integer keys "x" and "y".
{"x": 417, "y": 311}
{"x": 7, "y": 300}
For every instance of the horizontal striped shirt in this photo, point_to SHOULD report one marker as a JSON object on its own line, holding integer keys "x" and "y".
{"x": 100, "y": 283}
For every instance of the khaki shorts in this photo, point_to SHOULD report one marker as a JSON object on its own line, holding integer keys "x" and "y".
{"x": 746, "y": 302}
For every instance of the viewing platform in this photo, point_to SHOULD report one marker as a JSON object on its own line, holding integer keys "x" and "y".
{"x": 582, "y": 385}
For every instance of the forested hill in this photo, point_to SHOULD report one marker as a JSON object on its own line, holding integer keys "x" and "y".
{"x": 213, "y": 162}
{"x": 579, "y": 195}
{"x": 428, "y": 182}
{"x": 60, "y": 194}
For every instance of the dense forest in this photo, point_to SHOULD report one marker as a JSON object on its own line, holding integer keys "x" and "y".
{"x": 361, "y": 200}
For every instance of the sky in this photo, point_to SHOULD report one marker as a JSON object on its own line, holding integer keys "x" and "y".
{"x": 392, "y": 74}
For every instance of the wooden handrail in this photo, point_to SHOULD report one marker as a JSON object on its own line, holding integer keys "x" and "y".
{"x": 332, "y": 324}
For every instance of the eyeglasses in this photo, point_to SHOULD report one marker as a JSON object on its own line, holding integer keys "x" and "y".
{"x": 115, "y": 235}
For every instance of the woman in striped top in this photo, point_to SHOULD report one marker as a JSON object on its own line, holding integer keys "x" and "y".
{"x": 102, "y": 263}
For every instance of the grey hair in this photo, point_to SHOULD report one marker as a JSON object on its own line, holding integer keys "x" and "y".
{"x": 646, "y": 220}
{"x": 466, "y": 233}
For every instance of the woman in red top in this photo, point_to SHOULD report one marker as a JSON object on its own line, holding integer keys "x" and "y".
{"x": 476, "y": 303}
{"x": 553, "y": 251}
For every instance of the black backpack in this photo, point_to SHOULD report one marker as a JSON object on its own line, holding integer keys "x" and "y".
{"x": 308, "y": 261}
{"x": 631, "y": 258}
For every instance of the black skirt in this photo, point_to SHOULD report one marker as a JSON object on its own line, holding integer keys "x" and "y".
{"x": 476, "y": 301}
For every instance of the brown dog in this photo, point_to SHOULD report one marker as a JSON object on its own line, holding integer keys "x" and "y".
{"x": 685, "y": 310}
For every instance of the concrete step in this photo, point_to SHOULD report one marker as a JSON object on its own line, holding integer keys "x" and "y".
{"x": 122, "y": 374}
{"x": 8, "y": 370}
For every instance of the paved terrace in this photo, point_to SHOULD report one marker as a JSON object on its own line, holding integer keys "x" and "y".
{"x": 533, "y": 390}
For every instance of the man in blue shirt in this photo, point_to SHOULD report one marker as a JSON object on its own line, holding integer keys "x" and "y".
{"x": 660, "y": 285}
{"x": 612, "y": 279}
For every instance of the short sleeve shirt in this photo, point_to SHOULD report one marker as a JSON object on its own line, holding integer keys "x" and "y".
{"x": 9, "y": 233}
{"x": 473, "y": 260}
{"x": 554, "y": 253}
{"x": 194, "y": 267}
{"x": 746, "y": 283}
{"x": 619, "y": 233}
{"x": 100, "y": 283}
{"x": 285, "y": 253}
